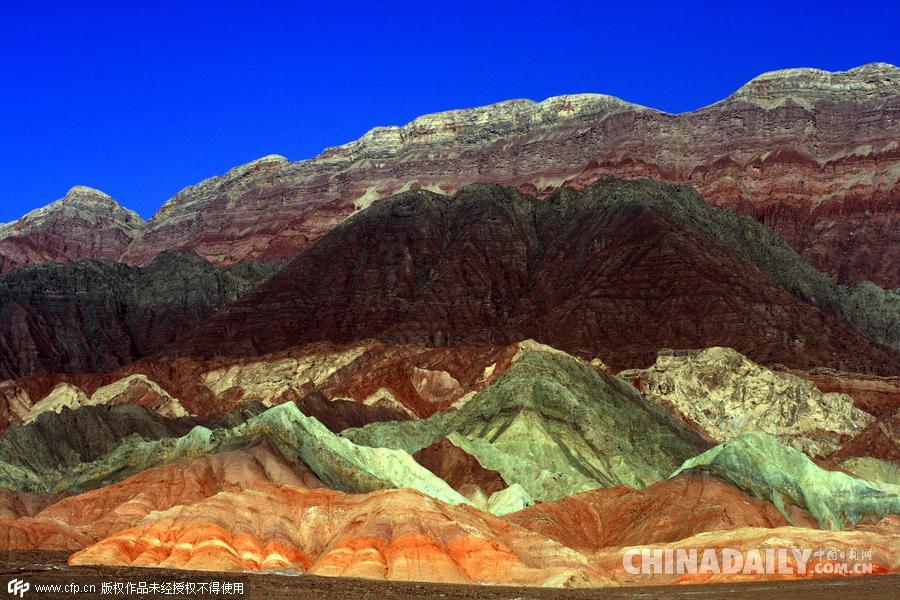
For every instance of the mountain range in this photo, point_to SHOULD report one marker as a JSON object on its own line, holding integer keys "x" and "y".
{"x": 811, "y": 155}
{"x": 500, "y": 345}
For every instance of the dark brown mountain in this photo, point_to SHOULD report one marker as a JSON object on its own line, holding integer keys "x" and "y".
{"x": 98, "y": 315}
{"x": 618, "y": 270}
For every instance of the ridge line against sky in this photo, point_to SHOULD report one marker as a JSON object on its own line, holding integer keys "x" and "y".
{"x": 142, "y": 101}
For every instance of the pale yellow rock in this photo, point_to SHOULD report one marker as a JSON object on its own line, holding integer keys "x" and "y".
{"x": 873, "y": 469}
{"x": 445, "y": 133}
{"x": 17, "y": 400}
{"x": 62, "y": 396}
{"x": 435, "y": 385}
{"x": 267, "y": 380}
{"x": 384, "y": 398}
{"x": 131, "y": 389}
{"x": 725, "y": 394}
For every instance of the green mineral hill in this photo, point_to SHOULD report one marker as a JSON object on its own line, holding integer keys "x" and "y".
{"x": 873, "y": 469}
{"x": 338, "y": 462}
{"x": 758, "y": 464}
{"x": 556, "y": 427}
{"x": 56, "y": 441}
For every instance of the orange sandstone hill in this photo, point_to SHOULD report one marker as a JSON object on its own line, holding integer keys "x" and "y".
{"x": 397, "y": 535}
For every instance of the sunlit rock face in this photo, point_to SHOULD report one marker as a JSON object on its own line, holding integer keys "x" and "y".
{"x": 84, "y": 224}
{"x": 410, "y": 379}
{"x": 485, "y": 490}
{"x": 760, "y": 465}
{"x": 724, "y": 394}
{"x": 879, "y": 396}
{"x": 554, "y": 426}
{"x": 455, "y": 380}
{"x": 812, "y": 155}
{"x": 343, "y": 386}
{"x": 397, "y": 535}
{"x": 76, "y": 521}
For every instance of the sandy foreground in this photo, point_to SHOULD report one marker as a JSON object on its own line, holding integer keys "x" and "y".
{"x": 49, "y": 568}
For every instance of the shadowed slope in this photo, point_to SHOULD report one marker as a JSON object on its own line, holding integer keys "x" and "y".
{"x": 92, "y": 316}
{"x": 810, "y": 154}
{"x": 619, "y": 270}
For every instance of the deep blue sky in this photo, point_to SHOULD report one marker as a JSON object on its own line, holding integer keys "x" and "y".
{"x": 142, "y": 99}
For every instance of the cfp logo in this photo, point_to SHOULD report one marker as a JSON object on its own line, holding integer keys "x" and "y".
{"x": 17, "y": 587}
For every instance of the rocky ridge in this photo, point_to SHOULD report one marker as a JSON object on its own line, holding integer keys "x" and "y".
{"x": 758, "y": 464}
{"x": 555, "y": 426}
{"x": 723, "y": 394}
{"x": 84, "y": 224}
{"x": 99, "y": 315}
{"x": 810, "y": 154}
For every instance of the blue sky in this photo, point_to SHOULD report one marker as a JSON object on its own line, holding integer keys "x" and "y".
{"x": 142, "y": 99}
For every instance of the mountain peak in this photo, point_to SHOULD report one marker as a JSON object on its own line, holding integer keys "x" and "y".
{"x": 84, "y": 190}
{"x": 807, "y": 86}
{"x": 82, "y": 204}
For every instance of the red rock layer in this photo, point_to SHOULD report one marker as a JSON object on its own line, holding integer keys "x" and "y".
{"x": 397, "y": 535}
{"x": 810, "y": 154}
{"x": 492, "y": 267}
{"x": 459, "y": 469}
{"x": 85, "y": 224}
{"x": 668, "y": 511}
{"x": 23, "y": 504}
{"x": 424, "y": 380}
{"x": 878, "y": 440}
{"x": 879, "y": 396}
{"x": 76, "y": 521}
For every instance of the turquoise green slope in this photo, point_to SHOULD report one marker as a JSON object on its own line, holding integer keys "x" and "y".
{"x": 556, "y": 427}
{"x": 759, "y": 464}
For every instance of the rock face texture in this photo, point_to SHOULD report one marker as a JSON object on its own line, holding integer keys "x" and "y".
{"x": 134, "y": 390}
{"x": 413, "y": 379}
{"x": 92, "y": 316}
{"x": 65, "y": 440}
{"x": 554, "y": 426}
{"x": 84, "y": 224}
{"x": 449, "y": 498}
{"x": 338, "y": 462}
{"x": 723, "y": 394}
{"x": 398, "y": 535}
{"x": 810, "y": 154}
{"x": 873, "y": 469}
{"x": 667, "y": 511}
{"x": 618, "y": 270}
{"x": 341, "y": 385}
{"x": 460, "y": 470}
{"x": 879, "y": 396}
{"x": 758, "y": 464}
{"x": 76, "y": 521}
